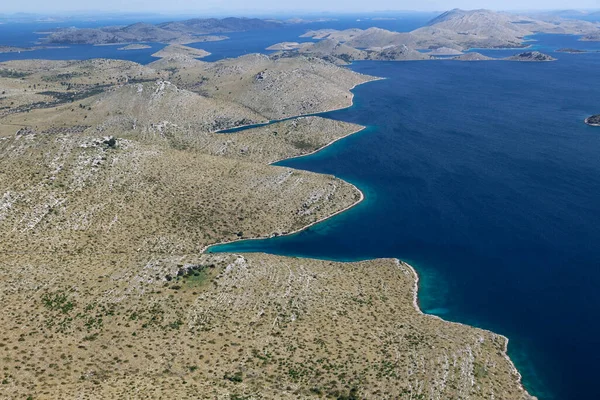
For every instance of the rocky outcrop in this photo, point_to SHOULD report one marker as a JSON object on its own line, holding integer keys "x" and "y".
{"x": 594, "y": 120}
{"x": 531, "y": 56}
{"x": 284, "y": 46}
{"x": 444, "y": 51}
{"x": 472, "y": 56}
{"x": 135, "y": 47}
{"x": 178, "y": 50}
{"x": 570, "y": 50}
{"x": 594, "y": 37}
{"x": 397, "y": 53}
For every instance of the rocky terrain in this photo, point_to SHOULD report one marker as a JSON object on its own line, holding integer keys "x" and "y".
{"x": 488, "y": 29}
{"x": 397, "y": 53}
{"x": 531, "y": 56}
{"x": 275, "y": 88}
{"x": 140, "y": 32}
{"x": 363, "y": 39}
{"x": 229, "y": 326}
{"x": 444, "y": 51}
{"x": 592, "y": 37}
{"x": 135, "y": 47}
{"x": 341, "y": 54}
{"x": 284, "y": 46}
{"x": 180, "y": 32}
{"x": 178, "y": 50}
{"x": 329, "y": 50}
{"x": 460, "y": 30}
{"x": 472, "y": 56}
{"x": 447, "y": 35}
{"x": 13, "y": 49}
{"x": 113, "y": 182}
{"x": 594, "y": 120}
{"x": 199, "y": 26}
{"x": 570, "y": 50}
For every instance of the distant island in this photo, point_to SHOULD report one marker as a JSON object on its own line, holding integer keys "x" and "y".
{"x": 594, "y": 120}
{"x": 593, "y": 37}
{"x": 531, "y": 56}
{"x": 448, "y": 36}
{"x": 473, "y": 56}
{"x": 178, "y": 50}
{"x": 179, "y": 32}
{"x": 13, "y": 49}
{"x": 570, "y": 50}
{"x": 135, "y": 47}
{"x": 576, "y": 51}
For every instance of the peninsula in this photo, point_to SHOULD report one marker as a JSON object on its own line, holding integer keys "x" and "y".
{"x": 113, "y": 181}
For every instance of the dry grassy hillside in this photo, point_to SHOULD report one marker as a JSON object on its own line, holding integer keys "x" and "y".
{"x": 231, "y": 327}
{"x": 277, "y": 88}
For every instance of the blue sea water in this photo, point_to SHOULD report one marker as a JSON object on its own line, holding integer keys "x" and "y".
{"x": 482, "y": 175}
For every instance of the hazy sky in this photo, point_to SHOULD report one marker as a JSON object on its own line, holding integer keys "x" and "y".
{"x": 284, "y": 5}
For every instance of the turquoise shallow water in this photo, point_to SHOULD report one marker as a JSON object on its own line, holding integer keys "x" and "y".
{"x": 484, "y": 177}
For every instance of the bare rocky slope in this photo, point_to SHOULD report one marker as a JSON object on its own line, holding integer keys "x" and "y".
{"x": 488, "y": 29}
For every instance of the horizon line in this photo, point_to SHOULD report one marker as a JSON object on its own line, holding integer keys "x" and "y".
{"x": 222, "y": 11}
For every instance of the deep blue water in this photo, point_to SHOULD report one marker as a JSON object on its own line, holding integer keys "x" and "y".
{"x": 482, "y": 175}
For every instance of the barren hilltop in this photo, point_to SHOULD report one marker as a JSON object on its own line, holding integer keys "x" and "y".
{"x": 113, "y": 181}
